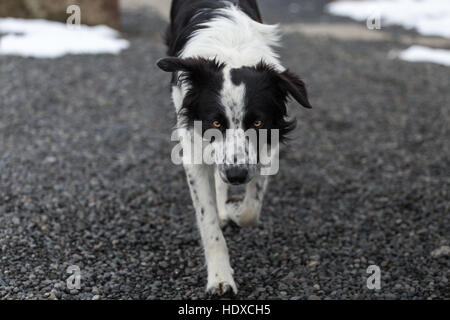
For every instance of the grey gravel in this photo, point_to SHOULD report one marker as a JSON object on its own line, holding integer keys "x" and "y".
{"x": 86, "y": 179}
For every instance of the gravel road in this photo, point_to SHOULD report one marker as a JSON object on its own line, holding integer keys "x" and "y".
{"x": 86, "y": 178}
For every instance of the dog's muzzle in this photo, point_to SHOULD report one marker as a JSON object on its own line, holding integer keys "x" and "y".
{"x": 237, "y": 174}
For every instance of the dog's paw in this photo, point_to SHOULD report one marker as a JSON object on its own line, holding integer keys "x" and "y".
{"x": 228, "y": 211}
{"x": 248, "y": 216}
{"x": 220, "y": 280}
{"x": 221, "y": 287}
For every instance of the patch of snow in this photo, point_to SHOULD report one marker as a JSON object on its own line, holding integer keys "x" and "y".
{"x": 48, "y": 39}
{"x": 425, "y": 54}
{"x": 428, "y": 17}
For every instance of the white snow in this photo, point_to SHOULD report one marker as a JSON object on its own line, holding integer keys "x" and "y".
{"x": 47, "y": 39}
{"x": 425, "y": 54}
{"x": 428, "y": 17}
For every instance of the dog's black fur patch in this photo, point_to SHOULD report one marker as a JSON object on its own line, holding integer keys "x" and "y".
{"x": 205, "y": 80}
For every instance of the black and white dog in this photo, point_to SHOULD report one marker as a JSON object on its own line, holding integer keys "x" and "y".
{"x": 227, "y": 75}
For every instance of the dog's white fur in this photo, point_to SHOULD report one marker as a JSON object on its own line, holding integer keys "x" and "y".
{"x": 238, "y": 42}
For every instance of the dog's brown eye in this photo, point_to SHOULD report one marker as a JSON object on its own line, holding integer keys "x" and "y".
{"x": 217, "y": 124}
{"x": 257, "y": 123}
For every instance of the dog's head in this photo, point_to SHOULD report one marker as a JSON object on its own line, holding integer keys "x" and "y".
{"x": 236, "y": 101}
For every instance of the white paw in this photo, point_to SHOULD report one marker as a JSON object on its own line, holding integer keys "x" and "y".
{"x": 248, "y": 216}
{"x": 227, "y": 212}
{"x": 220, "y": 281}
{"x": 221, "y": 287}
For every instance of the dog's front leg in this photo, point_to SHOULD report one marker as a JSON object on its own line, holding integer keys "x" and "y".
{"x": 222, "y": 199}
{"x": 220, "y": 274}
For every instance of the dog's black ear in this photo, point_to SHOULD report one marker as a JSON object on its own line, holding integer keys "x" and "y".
{"x": 198, "y": 70}
{"x": 295, "y": 87}
{"x": 172, "y": 64}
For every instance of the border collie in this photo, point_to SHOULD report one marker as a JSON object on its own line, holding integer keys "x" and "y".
{"x": 226, "y": 74}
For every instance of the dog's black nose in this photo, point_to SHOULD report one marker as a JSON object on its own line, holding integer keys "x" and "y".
{"x": 237, "y": 175}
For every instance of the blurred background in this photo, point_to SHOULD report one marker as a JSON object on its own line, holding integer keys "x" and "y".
{"x": 86, "y": 177}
